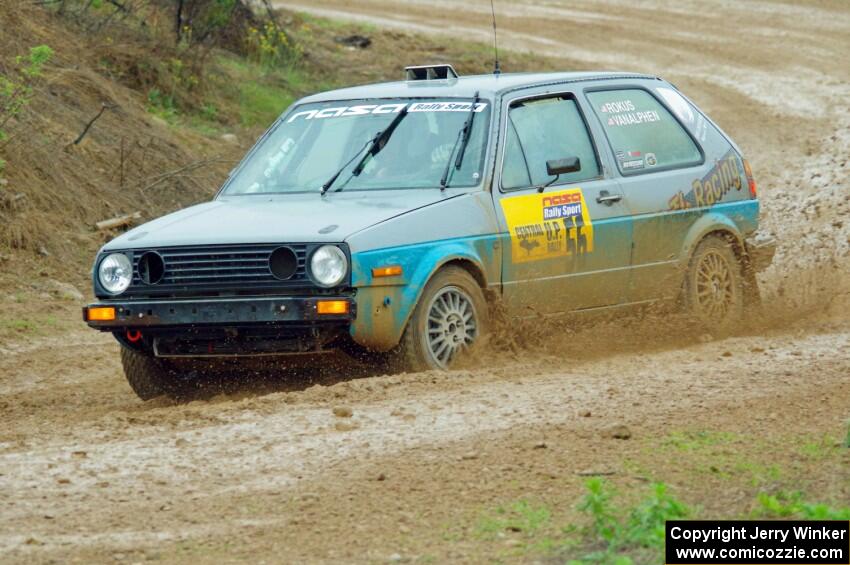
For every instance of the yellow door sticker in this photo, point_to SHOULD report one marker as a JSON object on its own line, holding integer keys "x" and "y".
{"x": 548, "y": 225}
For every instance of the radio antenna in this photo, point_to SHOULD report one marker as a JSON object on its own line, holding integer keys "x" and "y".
{"x": 496, "y": 69}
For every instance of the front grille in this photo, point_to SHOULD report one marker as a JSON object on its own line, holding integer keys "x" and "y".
{"x": 219, "y": 271}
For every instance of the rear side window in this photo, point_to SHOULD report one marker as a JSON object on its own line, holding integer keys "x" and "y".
{"x": 643, "y": 134}
{"x": 544, "y": 130}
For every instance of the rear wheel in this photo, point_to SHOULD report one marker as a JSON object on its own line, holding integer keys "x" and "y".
{"x": 714, "y": 289}
{"x": 449, "y": 319}
{"x": 148, "y": 376}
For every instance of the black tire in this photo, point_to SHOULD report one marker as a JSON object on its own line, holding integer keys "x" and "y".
{"x": 148, "y": 376}
{"x": 714, "y": 286}
{"x": 416, "y": 352}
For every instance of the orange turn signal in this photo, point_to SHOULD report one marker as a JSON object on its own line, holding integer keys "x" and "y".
{"x": 391, "y": 271}
{"x": 101, "y": 314}
{"x": 332, "y": 307}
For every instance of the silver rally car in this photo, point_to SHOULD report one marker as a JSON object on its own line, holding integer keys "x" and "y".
{"x": 386, "y": 219}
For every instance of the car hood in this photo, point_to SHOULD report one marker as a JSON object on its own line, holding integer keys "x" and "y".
{"x": 276, "y": 218}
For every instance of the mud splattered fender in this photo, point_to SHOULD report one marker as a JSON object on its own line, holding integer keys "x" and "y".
{"x": 384, "y": 304}
{"x": 738, "y": 218}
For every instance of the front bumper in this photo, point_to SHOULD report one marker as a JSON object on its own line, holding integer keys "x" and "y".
{"x": 150, "y": 314}
{"x": 760, "y": 249}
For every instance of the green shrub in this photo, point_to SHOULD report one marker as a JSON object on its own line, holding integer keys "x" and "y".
{"x": 16, "y": 86}
{"x": 612, "y": 539}
{"x": 162, "y": 105}
{"x": 271, "y": 47}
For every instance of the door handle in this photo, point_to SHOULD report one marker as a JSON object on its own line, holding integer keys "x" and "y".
{"x": 607, "y": 198}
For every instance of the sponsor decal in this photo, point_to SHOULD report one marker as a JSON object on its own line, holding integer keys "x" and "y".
{"x": 548, "y": 226}
{"x": 630, "y": 160}
{"x": 377, "y": 109}
{"x": 446, "y": 107}
{"x": 724, "y": 177}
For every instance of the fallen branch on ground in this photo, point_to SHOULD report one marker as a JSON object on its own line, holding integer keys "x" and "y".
{"x": 118, "y": 222}
{"x": 159, "y": 179}
{"x": 103, "y": 107}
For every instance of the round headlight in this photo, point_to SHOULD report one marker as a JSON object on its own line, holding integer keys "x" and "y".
{"x": 328, "y": 265}
{"x": 115, "y": 273}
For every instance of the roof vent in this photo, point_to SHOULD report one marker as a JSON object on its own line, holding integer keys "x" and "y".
{"x": 431, "y": 72}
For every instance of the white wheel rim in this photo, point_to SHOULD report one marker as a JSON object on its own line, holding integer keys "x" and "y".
{"x": 452, "y": 325}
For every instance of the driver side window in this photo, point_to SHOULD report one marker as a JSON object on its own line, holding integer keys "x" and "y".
{"x": 543, "y": 130}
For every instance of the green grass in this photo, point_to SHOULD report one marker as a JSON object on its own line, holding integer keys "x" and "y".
{"x": 521, "y": 517}
{"x": 793, "y": 505}
{"x": 820, "y": 448}
{"x": 364, "y": 28}
{"x": 697, "y": 440}
{"x": 260, "y": 105}
{"x": 612, "y": 534}
{"x": 18, "y": 325}
{"x": 618, "y": 534}
{"x": 737, "y": 457}
{"x": 29, "y": 327}
{"x": 237, "y": 91}
{"x": 260, "y": 95}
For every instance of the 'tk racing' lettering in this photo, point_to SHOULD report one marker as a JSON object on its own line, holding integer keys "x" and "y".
{"x": 710, "y": 189}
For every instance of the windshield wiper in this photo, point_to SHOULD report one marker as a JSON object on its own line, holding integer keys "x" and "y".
{"x": 375, "y": 145}
{"x": 463, "y": 140}
{"x": 332, "y": 180}
{"x": 379, "y": 142}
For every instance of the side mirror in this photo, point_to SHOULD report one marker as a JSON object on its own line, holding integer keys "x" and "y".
{"x": 563, "y": 166}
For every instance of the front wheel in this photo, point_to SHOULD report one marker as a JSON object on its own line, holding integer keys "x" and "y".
{"x": 714, "y": 286}
{"x": 449, "y": 319}
{"x": 148, "y": 376}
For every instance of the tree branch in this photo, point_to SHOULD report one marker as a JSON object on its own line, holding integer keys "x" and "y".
{"x": 104, "y": 107}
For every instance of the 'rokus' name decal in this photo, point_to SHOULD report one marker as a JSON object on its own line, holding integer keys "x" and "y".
{"x": 624, "y": 113}
{"x": 393, "y": 108}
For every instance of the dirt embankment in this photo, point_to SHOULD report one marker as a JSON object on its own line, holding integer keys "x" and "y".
{"x": 54, "y": 189}
{"x": 263, "y": 469}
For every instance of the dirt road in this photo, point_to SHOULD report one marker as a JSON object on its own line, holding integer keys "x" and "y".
{"x": 273, "y": 468}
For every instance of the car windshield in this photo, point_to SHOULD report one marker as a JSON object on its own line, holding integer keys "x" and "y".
{"x": 309, "y": 145}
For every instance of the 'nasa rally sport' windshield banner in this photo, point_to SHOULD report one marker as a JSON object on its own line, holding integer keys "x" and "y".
{"x": 391, "y": 108}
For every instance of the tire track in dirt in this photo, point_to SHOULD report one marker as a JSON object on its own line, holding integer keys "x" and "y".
{"x": 266, "y": 444}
